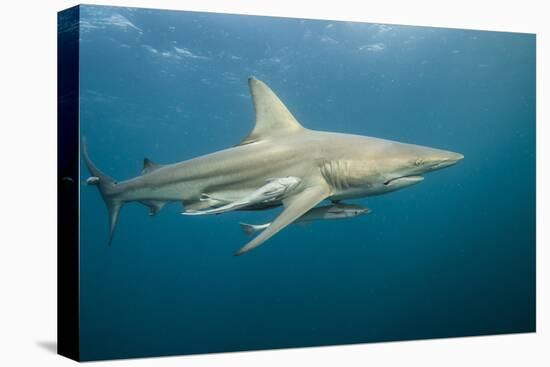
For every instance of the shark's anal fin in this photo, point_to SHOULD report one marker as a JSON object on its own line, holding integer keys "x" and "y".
{"x": 295, "y": 207}
{"x": 154, "y": 206}
{"x": 272, "y": 116}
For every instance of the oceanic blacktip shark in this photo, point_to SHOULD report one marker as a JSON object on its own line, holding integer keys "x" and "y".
{"x": 326, "y": 212}
{"x": 330, "y": 166}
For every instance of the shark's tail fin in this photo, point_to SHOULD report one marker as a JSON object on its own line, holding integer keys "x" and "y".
{"x": 107, "y": 188}
{"x": 250, "y": 229}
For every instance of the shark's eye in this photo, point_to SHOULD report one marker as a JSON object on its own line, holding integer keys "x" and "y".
{"x": 419, "y": 162}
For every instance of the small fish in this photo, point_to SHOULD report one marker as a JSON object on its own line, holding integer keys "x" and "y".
{"x": 275, "y": 189}
{"x": 333, "y": 211}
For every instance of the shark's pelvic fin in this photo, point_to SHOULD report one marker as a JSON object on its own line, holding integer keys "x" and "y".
{"x": 295, "y": 207}
{"x": 149, "y": 166}
{"x": 272, "y": 116}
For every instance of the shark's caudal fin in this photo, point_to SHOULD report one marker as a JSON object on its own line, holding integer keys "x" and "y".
{"x": 106, "y": 186}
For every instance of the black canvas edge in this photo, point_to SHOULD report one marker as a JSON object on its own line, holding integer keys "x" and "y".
{"x": 68, "y": 323}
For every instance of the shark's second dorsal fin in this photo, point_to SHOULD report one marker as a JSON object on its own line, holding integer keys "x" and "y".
{"x": 149, "y": 166}
{"x": 272, "y": 116}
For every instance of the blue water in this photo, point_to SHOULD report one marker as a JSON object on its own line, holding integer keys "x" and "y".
{"x": 452, "y": 256}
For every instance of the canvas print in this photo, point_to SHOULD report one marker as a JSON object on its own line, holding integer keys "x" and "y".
{"x": 252, "y": 182}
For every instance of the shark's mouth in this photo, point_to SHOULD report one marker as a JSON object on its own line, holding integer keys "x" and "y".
{"x": 404, "y": 180}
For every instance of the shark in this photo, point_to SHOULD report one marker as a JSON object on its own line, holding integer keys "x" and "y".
{"x": 331, "y": 166}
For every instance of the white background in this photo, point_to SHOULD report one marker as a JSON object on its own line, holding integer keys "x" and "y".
{"x": 28, "y": 184}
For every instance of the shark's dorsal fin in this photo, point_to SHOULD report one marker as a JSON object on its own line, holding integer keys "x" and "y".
{"x": 272, "y": 116}
{"x": 149, "y": 166}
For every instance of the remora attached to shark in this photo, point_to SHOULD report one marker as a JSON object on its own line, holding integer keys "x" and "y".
{"x": 330, "y": 166}
{"x": 274, "y": 190}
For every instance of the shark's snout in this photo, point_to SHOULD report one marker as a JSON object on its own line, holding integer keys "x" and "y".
{"x": 456, "y": 157}
{"x": 449, "y": 159}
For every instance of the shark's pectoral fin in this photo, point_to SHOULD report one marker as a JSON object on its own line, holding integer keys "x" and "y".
{"x": 272, "y": 116}
{"x": 295, "y": 207}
